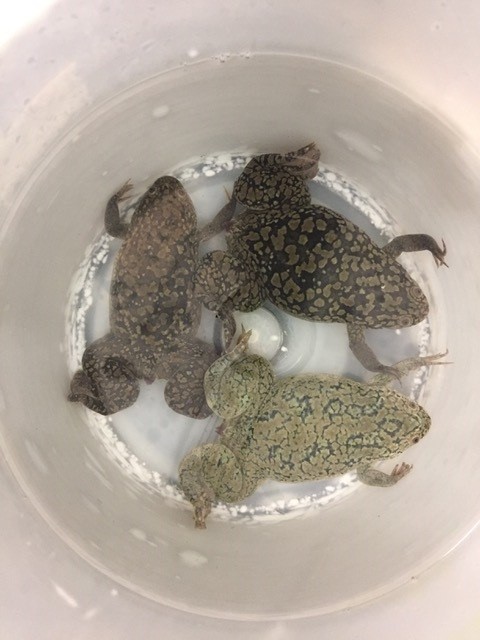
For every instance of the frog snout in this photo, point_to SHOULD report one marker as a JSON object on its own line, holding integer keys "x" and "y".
{"x": 424, "y": 425}
{"x": 418, "y": 307}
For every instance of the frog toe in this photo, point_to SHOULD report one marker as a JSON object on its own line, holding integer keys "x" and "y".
{"x": 401, "y": 470}
{"x": 439, "y": 254}
{"x": 124, "y": 192}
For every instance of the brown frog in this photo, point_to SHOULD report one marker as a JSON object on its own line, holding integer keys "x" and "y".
{"x": 154, "y": 316}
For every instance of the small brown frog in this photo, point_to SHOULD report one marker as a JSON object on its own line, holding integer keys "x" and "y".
{"x": 154, "y": 316}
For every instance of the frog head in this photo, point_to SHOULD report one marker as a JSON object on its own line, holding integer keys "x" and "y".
{"x": 173, "y": 209}
{"x": 402, "y": 427}
{"x": 398, "y": 424}
{"x": 416, "y": 308}
{"x": 166, "y": 185}
{"x": 278, "y": 181}
{"x": 208, "y": 473}
{"x": 396, "y": 301}
{"x": 415, "y": 424}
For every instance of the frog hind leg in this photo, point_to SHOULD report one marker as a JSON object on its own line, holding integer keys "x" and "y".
{"x": 107, "y": 382}
{"x": 184, "y": 391}
{"x": 113, "y": 224}
{"x": 405, "y": 366}
{"x": 195, "y": 487}
{"x": 217, "y": 279}
{"x": 247, "y": 299}
{"x": 417, "y": 242}
{"x": 226, "y": 316}
{"x": 364, "y": 353}
{"x": 217, "y": 379}
{"x": 373, "y": 477}
{"x": 106, "y": 398}
{"x": 118, "y": 383}
{"x": 83, "y": 390}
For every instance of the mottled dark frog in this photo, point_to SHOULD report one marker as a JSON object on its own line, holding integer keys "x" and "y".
{"x": 270, "y": 181}
{"x": 315, "y": 264}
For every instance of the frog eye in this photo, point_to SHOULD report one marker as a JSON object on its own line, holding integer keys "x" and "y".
{"x": 415, "y": 439}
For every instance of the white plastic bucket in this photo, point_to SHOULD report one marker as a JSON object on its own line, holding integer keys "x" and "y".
{"x": 94, "y": 95}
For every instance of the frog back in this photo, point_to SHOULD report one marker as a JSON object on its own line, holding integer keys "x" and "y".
{"x": 317, "y": 265}
{"x": 317, "y": 426}
{"x": 270, "y": 188}
{"x": 152, "y": 290}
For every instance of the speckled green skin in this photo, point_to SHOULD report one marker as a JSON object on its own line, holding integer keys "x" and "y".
{"x": 153, "y": 314}
{"x": 298, "y": 428}
{"x": 315, "y": 264}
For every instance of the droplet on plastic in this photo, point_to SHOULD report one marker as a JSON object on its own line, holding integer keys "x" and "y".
{"x": 160, "y": 111}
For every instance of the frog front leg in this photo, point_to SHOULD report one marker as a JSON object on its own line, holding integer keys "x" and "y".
{"x": 220, "y": 222}
{"x": 417, "y": 242}
{"x": 368, "y": 475}
{"x": 113, "y": 225}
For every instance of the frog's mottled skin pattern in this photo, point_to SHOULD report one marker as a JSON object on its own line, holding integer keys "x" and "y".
{"x": 311, "y": 262}
{"x": 277, "y": 181}
{"x": 153, "y": 314}
{"x": 297, "y": 428}
{"x": 321, "y": 426}
{"x": 151, "y": 292}
{"x": 272, "y": 180}
{"x": 316, "y": 264}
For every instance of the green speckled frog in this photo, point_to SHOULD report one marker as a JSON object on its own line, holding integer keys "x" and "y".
{"x": 299, "y": 428}
{"x": 154, "y": 316}
{"x": 315, "y": 264}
